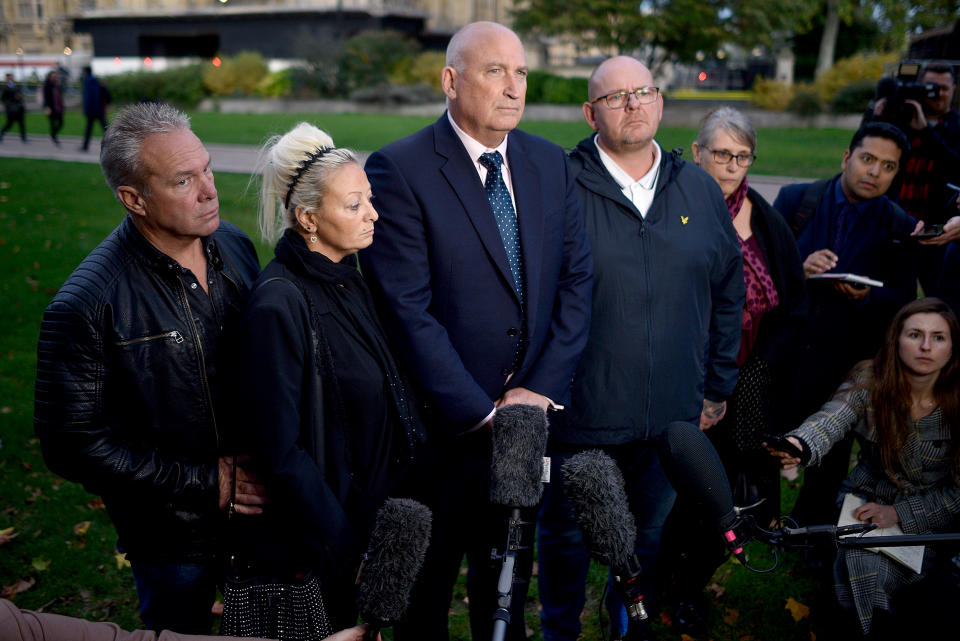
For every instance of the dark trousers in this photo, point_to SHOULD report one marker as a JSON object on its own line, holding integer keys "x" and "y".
{"x": 454, "y": 482}
{"x": 176, "y": 596}
{"x": 15, "y": 117}
{"x": 563, "y": 559}
{"x": 92, "y": 118}
{"x": 56, "y": 124}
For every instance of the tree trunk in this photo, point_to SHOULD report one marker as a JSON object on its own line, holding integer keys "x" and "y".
{"x": 828, "y": 42}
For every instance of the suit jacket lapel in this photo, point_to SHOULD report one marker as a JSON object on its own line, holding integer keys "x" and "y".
{"x": 530, "y": 220}
{"x": 465, "y": 182}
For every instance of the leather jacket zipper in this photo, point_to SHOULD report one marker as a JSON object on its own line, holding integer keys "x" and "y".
{"x": 175, "y": 335}
{"x": 203, "y": 363}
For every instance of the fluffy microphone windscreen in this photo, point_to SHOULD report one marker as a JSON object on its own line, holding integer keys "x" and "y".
{"x": 594, "y": 485}
{"x": 519, "y": 443}
{"x": 398, "y": 545}
{"x": 694, "y": 469}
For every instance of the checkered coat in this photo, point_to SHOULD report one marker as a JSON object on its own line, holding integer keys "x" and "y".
{"x": 927, "y": 499}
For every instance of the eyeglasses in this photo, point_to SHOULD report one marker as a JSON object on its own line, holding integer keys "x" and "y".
{"x": 723, "y": 157}
{"x": 620, "y": 99}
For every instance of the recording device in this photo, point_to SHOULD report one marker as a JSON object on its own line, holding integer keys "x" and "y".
{"x": 594, "y": 485}
{"x": 779, "y": 442}
{"x": 394, "y": 556}
{"x": 930, "y": 231}
{"x": 519, "y": 440}
{"x": 902, "y": 88}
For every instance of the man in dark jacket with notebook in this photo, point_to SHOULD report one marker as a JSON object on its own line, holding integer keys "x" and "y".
{"x": 859, "y": 259}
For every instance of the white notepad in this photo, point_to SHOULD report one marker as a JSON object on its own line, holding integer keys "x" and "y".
{"x": 910, "y": 556}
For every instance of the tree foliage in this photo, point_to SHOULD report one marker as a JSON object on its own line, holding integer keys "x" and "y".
{"x": 658, "y": 30}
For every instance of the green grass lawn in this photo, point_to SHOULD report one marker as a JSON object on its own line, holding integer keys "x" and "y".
{"x": 801, "y": 152}
{"x": 51, "y": 215}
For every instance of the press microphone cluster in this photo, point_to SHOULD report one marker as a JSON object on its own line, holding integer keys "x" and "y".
{"x": 394, "y": 556}
{"x": 594, "y": 485}
{"x": 519, "y": 441}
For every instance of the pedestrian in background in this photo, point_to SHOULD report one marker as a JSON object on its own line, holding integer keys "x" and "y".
{"x": 53, "y": 104}
{"x": 96, "y": 97}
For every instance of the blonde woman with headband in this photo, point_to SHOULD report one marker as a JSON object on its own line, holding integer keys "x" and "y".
{"x": 322, "y": 403}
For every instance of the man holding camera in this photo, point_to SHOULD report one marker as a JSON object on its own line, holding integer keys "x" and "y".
{"x": 921, "y": 187}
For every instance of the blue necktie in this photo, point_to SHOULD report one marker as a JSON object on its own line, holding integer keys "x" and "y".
{"x": 844, "y": 220}
{"x": 502, "y": 207}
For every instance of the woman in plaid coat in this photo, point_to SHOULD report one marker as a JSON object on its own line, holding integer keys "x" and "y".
{"x": 904, "y": 409}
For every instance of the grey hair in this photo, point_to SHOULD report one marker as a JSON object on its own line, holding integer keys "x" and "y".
{"x": 280, "y": 159}
{"x": 730, "y": 120}
{"x": 123, "y": 141}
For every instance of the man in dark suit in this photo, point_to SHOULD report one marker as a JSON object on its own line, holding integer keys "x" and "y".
{"x": 484, "y": 273}
{"x": 851, "y": 228}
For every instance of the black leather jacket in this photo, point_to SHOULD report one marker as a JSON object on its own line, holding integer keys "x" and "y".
{"x": 123, "y": 403}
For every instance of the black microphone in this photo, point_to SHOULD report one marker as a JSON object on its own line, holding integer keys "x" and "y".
{"x": 694, "y": 469}
{"x": 519, "y": 441}
{"x": 394, "y": 556}
{"x": 594, "y": 485}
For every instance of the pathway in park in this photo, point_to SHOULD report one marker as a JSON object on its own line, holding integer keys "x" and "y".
{"x": 239, "y": 159}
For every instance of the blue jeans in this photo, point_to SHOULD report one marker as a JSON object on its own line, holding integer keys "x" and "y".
{"x": 563, "y": 559}
{"x": 176, "y": 596}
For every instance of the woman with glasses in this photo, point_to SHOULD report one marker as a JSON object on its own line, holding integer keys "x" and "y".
{"x": 773, "y": 316}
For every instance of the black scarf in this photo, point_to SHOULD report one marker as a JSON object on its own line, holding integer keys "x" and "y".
{"x": 348, "y": 291}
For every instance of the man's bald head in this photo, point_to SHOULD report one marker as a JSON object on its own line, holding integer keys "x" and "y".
{"x": 618, "y": 65}
{"x": 470, "y": 37}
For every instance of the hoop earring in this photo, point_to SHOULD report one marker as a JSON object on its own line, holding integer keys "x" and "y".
{"x": 313, "y": 238}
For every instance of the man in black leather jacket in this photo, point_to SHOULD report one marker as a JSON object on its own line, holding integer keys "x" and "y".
{"x": 129, "y": 378}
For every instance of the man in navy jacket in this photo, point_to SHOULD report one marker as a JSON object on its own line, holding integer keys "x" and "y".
{"x": 479, "y": 318}
{"x": 856, "y": 229}
{"x": 665, "y": 328}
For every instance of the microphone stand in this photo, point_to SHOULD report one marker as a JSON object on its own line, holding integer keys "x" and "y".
{"x": 501, "y": 616}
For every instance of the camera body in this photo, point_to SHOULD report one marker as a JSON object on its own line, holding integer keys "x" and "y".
{"x": 898, "y": 90}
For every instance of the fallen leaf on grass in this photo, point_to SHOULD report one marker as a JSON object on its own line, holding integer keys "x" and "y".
{"x": 8, "y": 535}
{"x": 717, "y": 590}
{"x": 730, "y": 616}
{"x": 95, "y": 503}
{"x": 10, "y": 591}
{"x": 81, "y": 528}
{"x": 686, "y": 637}
{"x": 121, "y": 560}
{"x": 665, "y": 619}
{"x": 797, "y": 610}
{"x": 27, "y": 466}
{"x": 5, "y": 410}
{"x": 40, "y": 564}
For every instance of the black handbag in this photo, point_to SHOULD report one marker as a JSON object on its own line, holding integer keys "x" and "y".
{"x": 288, "y": 610}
